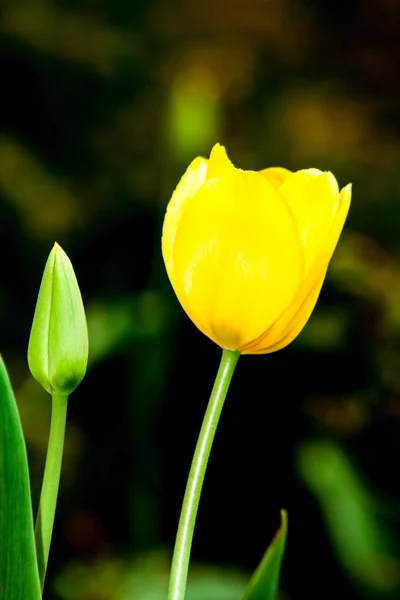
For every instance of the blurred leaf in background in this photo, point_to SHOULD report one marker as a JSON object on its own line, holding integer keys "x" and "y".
{"x": 364, "y": 545}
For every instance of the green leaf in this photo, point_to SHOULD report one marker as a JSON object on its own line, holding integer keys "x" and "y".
{"x": 264, "y": 582}
{"x": 19, "y": 579}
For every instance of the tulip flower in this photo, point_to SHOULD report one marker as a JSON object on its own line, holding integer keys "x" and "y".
{"x": 247, "y": 252}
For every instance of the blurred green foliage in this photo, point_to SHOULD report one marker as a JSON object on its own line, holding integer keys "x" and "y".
{"x": 103, "y": 106}
{"x": 362, "y": 542}
{"x": 147, "y": 578}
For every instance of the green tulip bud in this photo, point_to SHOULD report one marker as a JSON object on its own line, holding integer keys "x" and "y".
{"x": 58, "y": 344}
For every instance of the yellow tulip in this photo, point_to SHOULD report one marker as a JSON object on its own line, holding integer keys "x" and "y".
{"x": 247, "y": 252}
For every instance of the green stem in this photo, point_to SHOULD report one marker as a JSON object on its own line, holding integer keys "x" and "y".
{"x": 184, "y": 536}
{"x": 51, "y": 481}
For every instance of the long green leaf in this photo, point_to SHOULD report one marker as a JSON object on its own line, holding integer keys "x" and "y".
{"x": 19, "y": 579}
{"x": 264, "y": 582}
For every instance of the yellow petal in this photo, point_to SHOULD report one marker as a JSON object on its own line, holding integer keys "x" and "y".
{"x": 219, "y": 164}
{"x": 328, "y": 245}
{"x": 276, "y": 175}
{"x": 237, "y": 258}
{"x": 298, "y": 321}
{"x": 188, "y": 186}
{"x": 297, "y": 314}
{"x": 313, "y": 200}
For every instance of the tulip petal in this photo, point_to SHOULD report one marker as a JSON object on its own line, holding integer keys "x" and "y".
{"x": 297, "y": 314}
{"x": 188, "y": 186}
{"x": 328, "y": 245}
{"x": 219, "y": 164}
{"x": 313, "y": 200}
{"x": 276, "y": 175}
{"x": 237, "y": 257}
{"x": 298, "y": 321}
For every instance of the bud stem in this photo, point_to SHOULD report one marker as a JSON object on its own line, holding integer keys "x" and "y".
{"x": 183, "y": 543}
{"x": 50, "y": 485}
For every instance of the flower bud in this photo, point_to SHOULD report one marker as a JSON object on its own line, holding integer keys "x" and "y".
{"x": 58, "y": 344}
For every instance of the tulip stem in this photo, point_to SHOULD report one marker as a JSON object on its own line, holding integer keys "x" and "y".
{"x": 50, "y": 485}
{"x": 184, "y": 536}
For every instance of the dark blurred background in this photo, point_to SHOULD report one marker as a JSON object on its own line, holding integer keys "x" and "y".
{"x": 103, "y": 105}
